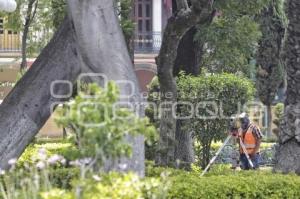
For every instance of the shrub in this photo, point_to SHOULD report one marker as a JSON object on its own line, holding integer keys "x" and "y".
{"x": 243, "y": 185}
{"x": 215, "y": 98}
{"x": 100, "y": 125}
{"x": 223, "y": 182}
{"x": 226, "y": 90}
{"x": 57, "y": 146}
{"x": 63, "y": 177}
{"x": 154, "y": 98}
{"x": 113, "y": 186}
{"x": 278, "y": 112}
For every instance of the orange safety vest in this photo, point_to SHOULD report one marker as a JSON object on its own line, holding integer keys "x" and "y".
{"x": 249, "y": 141}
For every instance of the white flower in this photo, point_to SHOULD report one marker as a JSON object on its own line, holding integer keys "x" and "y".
{"x": 2, "y": 172}
{"x": 85, "y": 161}
{"x": 81, "y": 162}
{"x": 97, "y": 178}
{"x": 12, "y": 162}
{"x": 123, "y": 166}
{"x": 42, "y": 154}
{"x": 63, "y": 161}
{"x": 55, "y": 159}
{"x": 40, "y": 165}
{"x": 75, "y": 163}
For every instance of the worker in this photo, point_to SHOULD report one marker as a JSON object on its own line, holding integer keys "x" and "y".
{"x": 251, "y": 136}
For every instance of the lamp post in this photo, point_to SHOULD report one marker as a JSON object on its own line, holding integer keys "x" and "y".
{"x": 8, "y": 5}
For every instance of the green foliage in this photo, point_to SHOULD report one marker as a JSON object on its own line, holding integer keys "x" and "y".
{"x": 153, "y": 97}
{"x": 279, "y": 110}
{"x": 263, "y": 146}
{"x": 223, "y": 182}
{"x": 56, "y": 194}
{"x": 225, "y": 90}
{"x": 279, "y": 11}
{"x": 125, "y": 12}
{"x": 63, "y": 177}
{"x": 231, "y": 39}
{"x": 270, "y": 65}
{"x": 235, "y": 8}
{"x": 114, "y": 186}
{"x": 215, "y": 98}
{"x": 230, "y": 42}
{"x": 279, "y": 114}
{"x": 239, "y": 185}
{"x": 100, "y": 125}
{"x": 59, "y": 12}
{"x": 60, "y": 147}
{"x": 29, "y": 181}
{"x": 41, "y": 27}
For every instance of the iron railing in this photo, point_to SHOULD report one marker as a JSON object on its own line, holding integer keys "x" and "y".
{"x": 147, "y": 42}
{"x": 10, "y": 42}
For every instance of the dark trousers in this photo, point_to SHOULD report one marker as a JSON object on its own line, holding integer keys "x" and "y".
{"x": 245, "y": 163}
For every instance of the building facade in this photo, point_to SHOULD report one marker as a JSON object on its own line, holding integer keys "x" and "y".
{"x": 150, "y": 18}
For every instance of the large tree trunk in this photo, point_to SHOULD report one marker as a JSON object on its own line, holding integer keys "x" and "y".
{"x": 270, "y": 67}
{"x": 28, "y": 106}
{"x": 188, "y": 60}
{"x": 177, "y": 26}
{"x": 90, "y": 40}
{"x": 184, "y": 150}
{"x": 288, "y": 153}
{"x": 108, "y": 56}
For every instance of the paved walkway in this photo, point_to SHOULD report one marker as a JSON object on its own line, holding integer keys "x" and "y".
{"x": 13, "y": 62}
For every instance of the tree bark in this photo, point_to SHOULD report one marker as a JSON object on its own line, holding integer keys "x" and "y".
{"x": 184, "y": 150}
{"x": 28, "y": 106}
{"x": 89, "y": 40}
{"x": 188, "y": 60}
{"x": 106, "y": 52}
{"x": 288, "y": 153}
{"x": 270, "y": 121}
{"x": 270, "y": 67}
{"x": 189, "y": 54}
{"x": 177, "y": 26}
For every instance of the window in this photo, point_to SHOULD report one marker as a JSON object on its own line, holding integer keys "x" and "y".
{"x": 143, "y": 15}
{"x": 1, "y": 26}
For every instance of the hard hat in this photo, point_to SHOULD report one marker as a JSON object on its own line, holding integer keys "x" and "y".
{"x": 243, "y": 115}
{"x": 244, "y": 119}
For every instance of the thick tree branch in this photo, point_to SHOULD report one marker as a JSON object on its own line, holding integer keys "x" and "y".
{"x": 176, "y": 28}
{"x": 182, "y": 5}
{"x": 28, "y": 106}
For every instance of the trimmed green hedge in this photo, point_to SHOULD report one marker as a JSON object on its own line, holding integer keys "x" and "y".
{"x": 221, "y": 182}
{"x": 56, "y": 146}
{"x": 245, "y": 185}
{"x": 264, "y": 145}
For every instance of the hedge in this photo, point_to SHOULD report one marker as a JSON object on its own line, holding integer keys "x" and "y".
{"x": 230, "y": 184}
{"x": 220, "y": 182}
{"x": 57, "y": 146}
